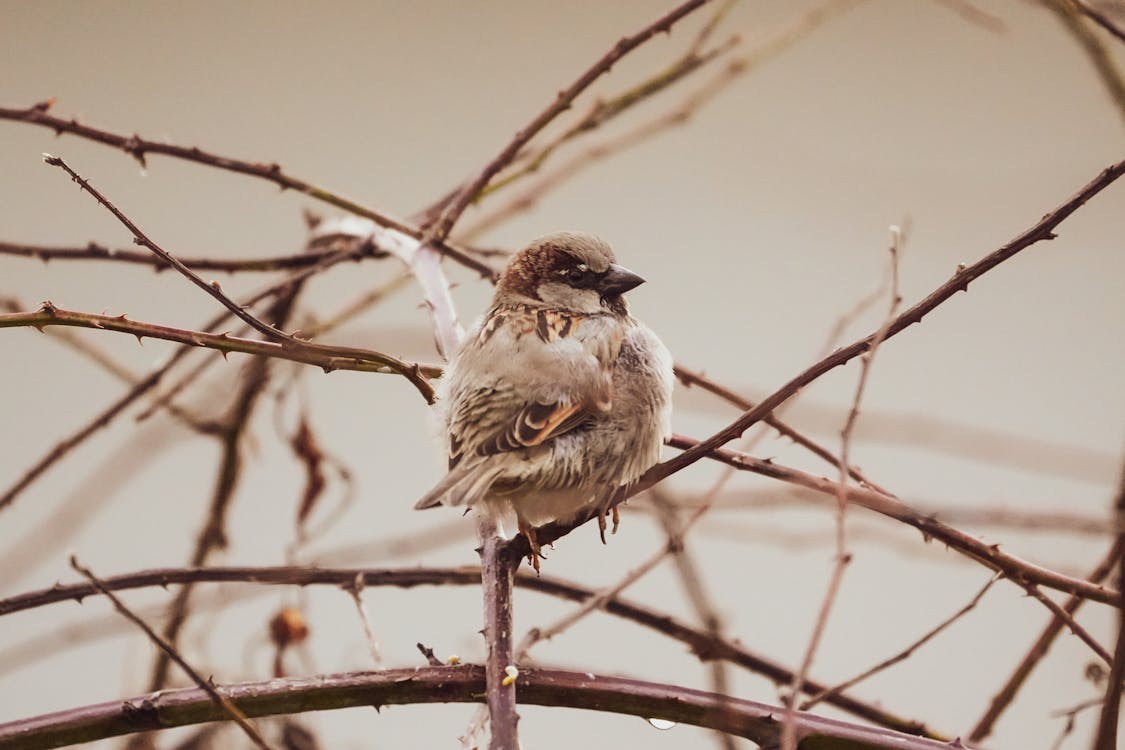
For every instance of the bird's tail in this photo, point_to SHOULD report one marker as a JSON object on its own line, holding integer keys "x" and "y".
{"x": 463, "y": 485}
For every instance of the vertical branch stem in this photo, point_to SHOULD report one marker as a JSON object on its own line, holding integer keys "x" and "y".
{"x": 498, "y": 568}
{"x": 1106, "y": 738}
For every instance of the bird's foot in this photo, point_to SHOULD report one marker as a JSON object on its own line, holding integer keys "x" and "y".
{"x": 533, "y": 542}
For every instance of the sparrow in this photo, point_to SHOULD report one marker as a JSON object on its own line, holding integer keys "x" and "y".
{"x": 557, "y": 397}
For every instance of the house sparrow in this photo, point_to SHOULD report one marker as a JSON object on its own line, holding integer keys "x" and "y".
{"x": 558, "y": 397}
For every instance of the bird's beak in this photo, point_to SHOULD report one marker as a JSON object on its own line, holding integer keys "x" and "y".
{"x": 618, "y": 280}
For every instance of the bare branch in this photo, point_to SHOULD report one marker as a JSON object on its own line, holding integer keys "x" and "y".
{"x": 138, "y": 147}
{"x": 1106, "y": 737}
{"x": 326, "y": 357}
{"x": 96, "y": 252}
{"x": 1069, "y": 13}
{"x": 501, "y": 673}
{"x": 906, "y": 653}
{"x": 704, "y": 645}
{"x": 1113, "y": 26}
{"x": 439, "y": 230}
{"x": 1007, "y": 693}
{"x": 141, "y": 238}
{"x": 989, "y": 555}
{"x": 1040, "y": 231}
{"x": 463, "y": 684}
{"x": 843, "y": 558}
{"x": 224, "y": 703}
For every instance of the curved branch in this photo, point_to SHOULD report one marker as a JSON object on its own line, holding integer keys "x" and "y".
{"x": 457, "y": 684}
{"x": 138, "y": 147}
{"x": 990, "y": 555}
{"x": 440, "y": 229}
{"x": 964, "y": 275}
{"x": 328, "y": 358}
{"x": 704, "y": 645}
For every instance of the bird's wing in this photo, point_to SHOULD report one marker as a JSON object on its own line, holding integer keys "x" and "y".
{"x": 491, "y": 421}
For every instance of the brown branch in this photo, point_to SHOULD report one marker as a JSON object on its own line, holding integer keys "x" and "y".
{"x": 695, "y": 588}
{"x": 1000, "y": 702}
{"x": 226, "y": 706}
{"x": 774, "y": 44}
{"x": 154, "y": 378}
{"x": 605, "y": 110}
{"x": 1106, "y": 737}
{"x": 63, "y": 447}
{"x": 1071, "y": 624}
{"x": 96, "y": 252}
{"x": 1041, "y": 230}
{"x": 842, "y": 557}
{"x": 989, "y": 555}
{"x": 704, "y": 645}
{"x": 461, "y": 684}
{"x": 501, "y": 674}
{"x": 440, "y": 228}
{"x": 138, "y": 147}
{"x": 104, "y": 360}
{"x": 141, "y": 238}
{"x": 693, "y": 378}
{"x": 903, "y": 655}
{"x": 1069, "y": 15}
{"x": 213, "y": 536}
{"x": 328, "y": 358}
{"x": 1100, "y": 18}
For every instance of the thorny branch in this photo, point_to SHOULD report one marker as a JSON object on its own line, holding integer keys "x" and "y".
{"x": 706, "y": 646}
{"x": 463, "y": 684}
{"x": 96, "y": 252}
{"x": 138, "y": 147}
{"x": 843, "y": 558}
{"x": 1040, "y": 231}
{"x": 501, "y": 672}
{"x": 440, "y": 228}
{"x": 228, "y": 708}
{"x": 326, "y": 357}
{"x": 213, "y": 535}
{"x": 1106, "y": 736}
{"x": 990, "y": 555}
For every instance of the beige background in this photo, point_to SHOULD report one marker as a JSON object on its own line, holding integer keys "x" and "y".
{"x": 757, "y": 224}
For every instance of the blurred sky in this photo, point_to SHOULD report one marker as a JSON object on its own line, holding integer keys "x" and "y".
{"x": 757, "y": 223}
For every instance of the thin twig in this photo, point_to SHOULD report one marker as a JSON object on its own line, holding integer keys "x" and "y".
{"x": 356, "y": 592}
{"x": 903, "y": 655}
{"x": 63, "y": 447}
{"x": 989, "y": 555}
{"x": 440, "y": 228}
{"x": 1071, "y": 624}
{"x": 695, "y": 588}
{"x": 213, "y": 534}
{"x": 94, "y": 251}
{"x": 228, "y": 708}
{"x": 428, "y": 652}
{"x": 705, "y": 646}
{"x": 1101, "y": 19}
{"x": 773, "y": 45}
{"x": 138, "y": 147}
{"x": 141, "y": 238}
{"x": 964, "y": 275}
{"x": 1070, "y": 15}
{"x": 842, "y": 557}
{"x": 1106, "y": 736}
{"x": 328, "y": 358}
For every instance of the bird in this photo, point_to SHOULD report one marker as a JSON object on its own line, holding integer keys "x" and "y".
{"x": 557, "y": 397}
